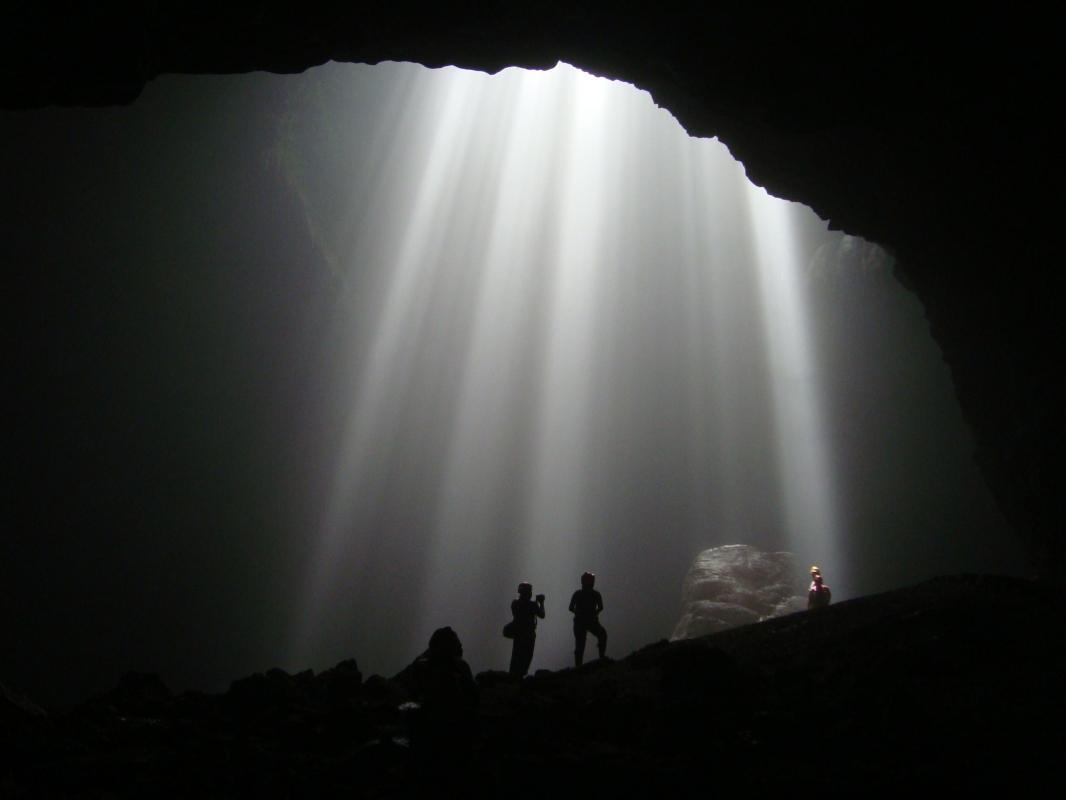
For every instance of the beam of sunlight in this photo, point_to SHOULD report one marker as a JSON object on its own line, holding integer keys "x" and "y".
{"x": 482, "y": 473}
{"x": 803, "y": 462}
{"x": 568, "y": 355}
{"x": 403, "y": 321}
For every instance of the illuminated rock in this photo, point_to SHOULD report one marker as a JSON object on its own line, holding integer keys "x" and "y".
{"x": 738, "y": 584}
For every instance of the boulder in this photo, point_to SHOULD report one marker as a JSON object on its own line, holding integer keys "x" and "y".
{"x": 738, "y": 584}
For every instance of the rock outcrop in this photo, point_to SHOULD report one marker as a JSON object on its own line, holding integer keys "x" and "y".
{"x": 956, "y": 682}
{"x": 737, "y": 584}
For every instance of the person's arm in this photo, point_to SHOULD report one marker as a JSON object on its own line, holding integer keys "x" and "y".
{"x": 540, "y": 606}
{"x": 599, "y": 602}
{"x": 573, "y": 603}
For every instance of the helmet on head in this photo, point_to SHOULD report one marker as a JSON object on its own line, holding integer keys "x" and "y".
{"x": 815, "y": 569}
{"x": 525, "y": 589}
{"x": 588, "y": 580}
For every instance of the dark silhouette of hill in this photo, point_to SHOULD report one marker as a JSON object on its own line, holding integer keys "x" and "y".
{"x": 953, "y": 684}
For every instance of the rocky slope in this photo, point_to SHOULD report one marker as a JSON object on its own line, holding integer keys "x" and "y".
{"x": 955, "y": 683}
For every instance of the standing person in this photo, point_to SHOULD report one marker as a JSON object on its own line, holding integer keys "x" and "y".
{"x": 586, "y": 605}
{"x": 818, "y": 596}
{"x": 525, "y": 612}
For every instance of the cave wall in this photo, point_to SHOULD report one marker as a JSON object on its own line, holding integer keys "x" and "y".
{"x": 927, "y": 137}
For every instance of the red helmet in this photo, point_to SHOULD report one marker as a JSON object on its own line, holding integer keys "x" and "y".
{"x": 588, "y": 580}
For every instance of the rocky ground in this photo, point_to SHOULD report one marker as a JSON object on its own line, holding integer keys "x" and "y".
{"x": 956, "y": 683}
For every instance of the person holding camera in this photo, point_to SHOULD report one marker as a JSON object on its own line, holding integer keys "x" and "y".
{"x": 525, "y": 612}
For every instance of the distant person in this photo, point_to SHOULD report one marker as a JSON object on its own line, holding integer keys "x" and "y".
{"x": 443, "y": 729}
{"x": 818, "y": 596}
{"x": 586, "y": 605}
{"x": 523, "y": 627}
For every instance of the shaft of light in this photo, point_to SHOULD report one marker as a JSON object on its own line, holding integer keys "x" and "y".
{"x": 579, "y": 345}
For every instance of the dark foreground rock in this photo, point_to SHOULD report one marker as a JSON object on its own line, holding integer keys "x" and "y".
{"x": 952, "y": 684}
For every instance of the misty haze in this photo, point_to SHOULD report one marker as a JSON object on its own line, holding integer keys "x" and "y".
{"x": 352, "y": 353}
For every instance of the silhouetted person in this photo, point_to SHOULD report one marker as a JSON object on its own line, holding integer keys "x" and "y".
{"x": 818, "y": 596}
{"x": 443, "y": 729}
{"x": 525, "y": 612}
{"x": 586, "y": 605}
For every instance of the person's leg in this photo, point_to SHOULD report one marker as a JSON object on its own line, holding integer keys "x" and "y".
{"x": 579, "y": 642}
{"x": 519, "y": 659}
{"x": 527, "y": 653}
{"x": 522, "y": 654}
{"x": 601, "y": 637}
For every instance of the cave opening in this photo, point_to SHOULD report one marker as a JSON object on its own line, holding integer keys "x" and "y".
{"x": 580, "y": 343}
{"x": 584, "y": 340}
{"x": 351, "y": 353}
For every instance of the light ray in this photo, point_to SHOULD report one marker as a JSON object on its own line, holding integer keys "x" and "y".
{"x": 803, "y": 462}
{"x": 391, "y": 363}
{"x": 563, "y": 339}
